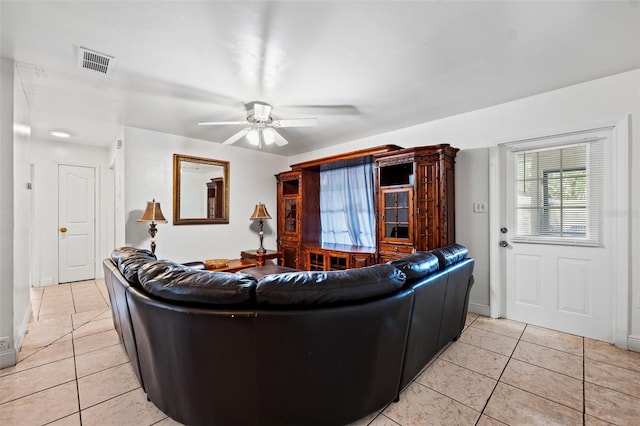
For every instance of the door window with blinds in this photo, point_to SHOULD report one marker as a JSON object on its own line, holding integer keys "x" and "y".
{"x": 559, "y": 194}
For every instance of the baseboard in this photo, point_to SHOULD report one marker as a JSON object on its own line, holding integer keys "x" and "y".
{"x": 8, "y": 358}
{"x": 46, "y": 281}
{"x": 22, "y": 330}
{"x": 477, "y": 308}
{"x": 633, "y": 343}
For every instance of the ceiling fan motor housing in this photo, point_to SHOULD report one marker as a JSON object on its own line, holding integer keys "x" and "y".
{"x": 258, "y": 112}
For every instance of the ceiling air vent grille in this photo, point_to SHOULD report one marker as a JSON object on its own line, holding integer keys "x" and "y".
{"x": 95, "y": 61}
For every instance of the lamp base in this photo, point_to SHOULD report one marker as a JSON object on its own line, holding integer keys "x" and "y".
{"x": 261, "y": 250}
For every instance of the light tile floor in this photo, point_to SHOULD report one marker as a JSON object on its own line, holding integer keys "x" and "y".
{"x": 72, "y": 370}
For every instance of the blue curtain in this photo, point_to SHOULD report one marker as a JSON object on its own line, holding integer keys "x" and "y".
{"x": 347, "y": 211}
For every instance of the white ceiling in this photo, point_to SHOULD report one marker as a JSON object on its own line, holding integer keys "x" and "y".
{"x": 387, "y": 64}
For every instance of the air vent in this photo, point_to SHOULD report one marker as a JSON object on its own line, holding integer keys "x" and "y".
{"x": 95, "y": 61}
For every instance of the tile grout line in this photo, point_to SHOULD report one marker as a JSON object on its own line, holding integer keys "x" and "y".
{"x": 99, "y": 291}
{"x": 73, "y": 300}
{"x": 75, "y": 363}
{"x": 104, "y": 369}
{"x": 501, "y": 373}
{"x": 584, "y": 393}
{"x": 553, "y": 371}
{"x": 35, "y": 392}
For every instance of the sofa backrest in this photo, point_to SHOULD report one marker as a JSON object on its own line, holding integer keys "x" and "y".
{"x": 421, "y": 264}
{"x": 331, "y": 287}
{"x": 450, "y": 255}
{"x": 179, "y": 283}
{"x": 417, "y": 266}
{"x": 129, "y": 260}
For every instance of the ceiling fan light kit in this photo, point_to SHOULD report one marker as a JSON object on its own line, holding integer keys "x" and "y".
{"x": 262, "y": 127}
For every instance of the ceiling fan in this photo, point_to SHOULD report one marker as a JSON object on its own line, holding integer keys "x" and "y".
{"x": 261, "y": 126}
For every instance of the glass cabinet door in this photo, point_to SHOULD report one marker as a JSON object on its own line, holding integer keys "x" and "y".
{"x": 291, "y": 215}
{"x": 316, "y": 261}
{"x": 398, "y": 207}
{"x": 337, "y": 263}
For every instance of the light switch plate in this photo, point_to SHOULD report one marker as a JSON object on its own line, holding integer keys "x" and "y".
{"x": 479, "y": 207}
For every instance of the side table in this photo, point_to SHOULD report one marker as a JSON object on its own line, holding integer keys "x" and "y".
{"x": 260, "y": 257}
{"x": 234, "y": 265}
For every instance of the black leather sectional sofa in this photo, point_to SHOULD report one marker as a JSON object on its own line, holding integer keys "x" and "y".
{"x": 292, "y": 348}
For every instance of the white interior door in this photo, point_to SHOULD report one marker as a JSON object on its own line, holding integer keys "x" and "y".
{"x": 556, "y": 238}
{"x": 76, "y": 223}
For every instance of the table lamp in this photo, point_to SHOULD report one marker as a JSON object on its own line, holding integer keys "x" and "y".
{"x": 153, "y": 214}
{"x": 260, "y": 213}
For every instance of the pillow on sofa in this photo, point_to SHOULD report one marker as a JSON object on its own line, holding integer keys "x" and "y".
{"x": 450, "y": 255}
{"x": 179, "y": 283}
{"x": 417, "y": 265}
{"x": 311, "y": 288}
{"x": 129, "y": 260}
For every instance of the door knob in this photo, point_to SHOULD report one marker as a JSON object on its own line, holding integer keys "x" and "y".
{"x": 504, "y": 244}
{"x": 63, "y": 229}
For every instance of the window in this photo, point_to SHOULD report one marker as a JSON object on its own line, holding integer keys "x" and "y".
{"x": 347, "y": 210}
{"x": 558, "y": 194}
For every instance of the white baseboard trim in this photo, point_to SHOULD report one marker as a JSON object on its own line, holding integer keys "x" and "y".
{"x": 22, "y": 330}
{"x": 46, "y": 281}
{"x": 633, "y": 343}
{"x": 477, "y": 308}
{"x": 8, "y": 358}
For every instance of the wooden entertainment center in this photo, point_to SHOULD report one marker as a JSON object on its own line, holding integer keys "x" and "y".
{"x": 414, "y": 201}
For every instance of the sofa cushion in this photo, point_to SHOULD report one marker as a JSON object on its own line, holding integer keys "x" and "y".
{"x": 313, "y": 288}
{"x": 129, "y": 260}
{"x": 450, "y": 255}
{"x": 417, "y": 265}
{"x": 179, "y": 283}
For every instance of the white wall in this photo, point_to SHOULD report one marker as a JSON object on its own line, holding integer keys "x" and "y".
{"x": 116, "y": 188}
{"x": 548, "y": 113}
{"x": 148, "y": 174}
{"x": 7, "y": 357}
{"x": 21, "y": 213}
{"x": 46, "y": 155}
{"x": 15, "y": 306}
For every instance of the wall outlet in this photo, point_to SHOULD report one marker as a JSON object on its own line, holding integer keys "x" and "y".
{"x": 4, "y": 344}
{"x": 479, "y": 207}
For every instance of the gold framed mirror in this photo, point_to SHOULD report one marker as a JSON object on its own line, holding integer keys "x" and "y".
{"x": 200, "y": 190}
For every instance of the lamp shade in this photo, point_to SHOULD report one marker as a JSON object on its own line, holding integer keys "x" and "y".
{"x": 260, "y": 212}
{"x": 153, "y": 213}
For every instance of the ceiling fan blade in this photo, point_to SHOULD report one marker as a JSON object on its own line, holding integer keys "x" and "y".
{"x": 295, "y": 122}
{"x": 279, "y": 140}
{"x": 237, "y": 136}
{"x": 219, "y": 123}
{"x": 317, "y": 110}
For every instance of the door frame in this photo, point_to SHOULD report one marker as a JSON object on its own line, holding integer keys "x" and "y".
{"x": 620, "y": 140}
{"x": 97, "y": 220}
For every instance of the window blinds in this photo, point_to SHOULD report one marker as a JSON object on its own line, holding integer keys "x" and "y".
{"x": 558, "y": 194}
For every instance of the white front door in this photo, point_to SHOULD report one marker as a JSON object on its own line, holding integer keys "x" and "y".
{"x": 556, "y": 235}
{"x": 76, "y": 223}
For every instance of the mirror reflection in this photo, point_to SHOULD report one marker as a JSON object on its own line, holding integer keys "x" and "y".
{"x": 200, "y": 190}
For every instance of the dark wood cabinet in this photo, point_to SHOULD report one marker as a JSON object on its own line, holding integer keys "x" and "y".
{"x": 414, "y": 207}
{"x": 298, "y": 216}
{"x": 336, "y": 257}
{"x": 415, "y": 192}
